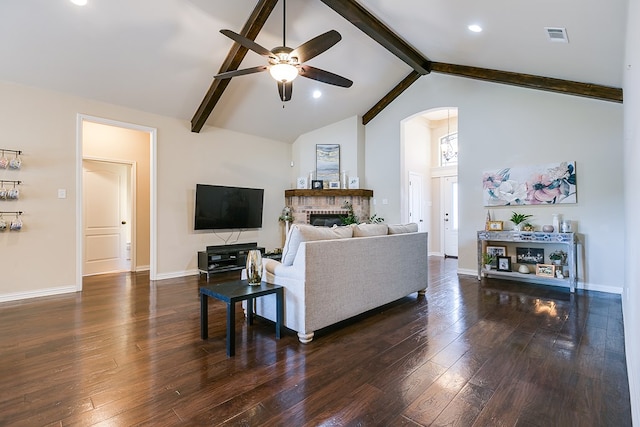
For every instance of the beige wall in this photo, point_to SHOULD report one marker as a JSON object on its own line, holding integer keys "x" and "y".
{"x": 347, "y": 133}
{"x": 106, "y": 142}
{"x": 41, "y": 259}
{"x": 503, "y": 126}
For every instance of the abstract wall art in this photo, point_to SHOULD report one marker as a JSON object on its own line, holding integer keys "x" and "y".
{"x": 547, "y": 184}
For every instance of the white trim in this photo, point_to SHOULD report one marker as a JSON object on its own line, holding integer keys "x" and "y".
{"x": 36, "y": 294}
{"x": 153, "y": 217}
{"x": 587, "y": 287}
{"x": 444, "y": 171}
{"x": 177, "y": 274}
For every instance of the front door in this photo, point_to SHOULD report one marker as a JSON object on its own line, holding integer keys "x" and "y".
{"x": 106, "y": 210}
{"x": 450, "y": 216}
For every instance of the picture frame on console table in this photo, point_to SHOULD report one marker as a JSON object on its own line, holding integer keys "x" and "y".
{"x": 317, "y": 184}
{"x": 545, "y": 270}
{"x": 504, "y": 263}
{"x": 495, "y": 225}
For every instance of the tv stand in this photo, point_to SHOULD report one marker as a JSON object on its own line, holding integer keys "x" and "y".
{"x": 223, "y": 258}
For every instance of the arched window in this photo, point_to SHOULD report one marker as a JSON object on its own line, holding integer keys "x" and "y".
{"x": 449, "y": 149}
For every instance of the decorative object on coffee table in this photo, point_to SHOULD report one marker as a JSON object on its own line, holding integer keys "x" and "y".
{"x": 254, "y": 267}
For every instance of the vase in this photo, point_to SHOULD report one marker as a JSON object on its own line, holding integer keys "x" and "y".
{"x": 254, "y": 267}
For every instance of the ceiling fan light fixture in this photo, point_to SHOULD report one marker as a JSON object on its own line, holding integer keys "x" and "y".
{"x": 283, "y": 73}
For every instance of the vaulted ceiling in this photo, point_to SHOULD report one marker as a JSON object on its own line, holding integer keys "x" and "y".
{"x": 161, "y": 56}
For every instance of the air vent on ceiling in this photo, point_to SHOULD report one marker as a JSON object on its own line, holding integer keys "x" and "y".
{"x": 558, "y": 35}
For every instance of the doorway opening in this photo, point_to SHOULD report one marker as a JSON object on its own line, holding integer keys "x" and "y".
{"x": 116, "y": 161}
{"x": 430, "y": 150}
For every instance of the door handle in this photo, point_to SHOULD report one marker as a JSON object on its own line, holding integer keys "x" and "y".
{"x": 124, "y": 222}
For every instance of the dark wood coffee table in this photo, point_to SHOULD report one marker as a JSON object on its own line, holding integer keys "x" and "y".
{"x": 231, "y": 293}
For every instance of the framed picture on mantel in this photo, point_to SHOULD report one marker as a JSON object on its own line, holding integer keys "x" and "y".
{"x": 328, "y": 162}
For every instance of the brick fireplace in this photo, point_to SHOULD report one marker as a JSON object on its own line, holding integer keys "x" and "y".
{"x": 327, "y": 203}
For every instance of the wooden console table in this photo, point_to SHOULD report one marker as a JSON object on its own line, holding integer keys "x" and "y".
{"x": 570, "y": 240}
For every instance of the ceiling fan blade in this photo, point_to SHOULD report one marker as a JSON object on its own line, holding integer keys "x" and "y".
{"x": 316, "y": 46}
{"x": 285, "y": 90}
{"x": 324, "y": 76}
{"x": 236, "y": 73}
{"x": 249, "y": 44}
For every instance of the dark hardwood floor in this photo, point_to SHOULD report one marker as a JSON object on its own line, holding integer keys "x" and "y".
{"x": 127, "y": 351}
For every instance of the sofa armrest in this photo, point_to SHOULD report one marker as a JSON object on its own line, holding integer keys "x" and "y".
{"x": 276, "y": 268}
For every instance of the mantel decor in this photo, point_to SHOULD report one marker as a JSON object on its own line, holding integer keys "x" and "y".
{"x": 328, "y": 162}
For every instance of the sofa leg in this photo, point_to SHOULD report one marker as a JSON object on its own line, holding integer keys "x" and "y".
{"x": 422, "y": 292}
{"x": 305, "y": 337}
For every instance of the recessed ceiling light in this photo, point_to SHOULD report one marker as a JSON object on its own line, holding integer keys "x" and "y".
{"x": 317, "y": 94}
{"x": 79, "y": 2}
{"x": 475, "y": 28}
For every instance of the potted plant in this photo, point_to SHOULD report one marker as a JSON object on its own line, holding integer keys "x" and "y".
{"x": 287, "y": 218}
{"x": 518, "y": 218}
{"x": 527, "y": 226}
{"x": 558, "y": 257}
{"x": 487, "y": 260}
{"x": 351, "y": 217}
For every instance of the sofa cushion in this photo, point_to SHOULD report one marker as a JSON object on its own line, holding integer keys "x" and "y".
{"x": 299, "y": 233}
{"x": 412, "y": 227}
{"x": 367, "y": 230}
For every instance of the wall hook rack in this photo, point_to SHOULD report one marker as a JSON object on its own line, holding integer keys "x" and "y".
{"x": 6, "y": 150}
{"x": 11, "y": 212}
{"x": 4, "y": 181}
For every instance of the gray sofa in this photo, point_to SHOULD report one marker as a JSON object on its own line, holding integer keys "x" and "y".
{"x": 332, "y": 274}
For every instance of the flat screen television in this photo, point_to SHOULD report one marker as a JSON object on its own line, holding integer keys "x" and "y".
{"x": 220, "y": 207}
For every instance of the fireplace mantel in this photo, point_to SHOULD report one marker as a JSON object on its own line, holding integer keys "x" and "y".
{"x": 304, "y": 203}
{"x": 329, "y": 193}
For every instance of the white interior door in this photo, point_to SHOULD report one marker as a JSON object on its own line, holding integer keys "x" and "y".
{"x": 107, "y": 217}
{"x": 415, "y": 200}
{"x": 450, "y": 223}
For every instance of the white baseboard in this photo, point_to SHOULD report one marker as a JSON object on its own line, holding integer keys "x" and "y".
{"x": 467, "y": 272}
{"x": 581, "y": 285}
{"x": 142, "y": 268}
{"x": 175, "y": 274}
{"x": 39, "y": 293}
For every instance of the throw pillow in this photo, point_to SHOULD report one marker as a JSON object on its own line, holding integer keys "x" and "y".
{"x": 403, "y": 228}
{"x": 299, "y": 233}
{"x": 367, "y": 230}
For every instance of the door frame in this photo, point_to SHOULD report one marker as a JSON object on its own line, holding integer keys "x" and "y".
{"x": 133, "y": 207}
{"x": 153, "y": 217}
{"x": 443, "y": 209}
{"x": 422, "y": 225}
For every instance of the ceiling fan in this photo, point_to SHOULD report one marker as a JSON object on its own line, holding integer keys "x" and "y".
{"x": 285, "y": 64}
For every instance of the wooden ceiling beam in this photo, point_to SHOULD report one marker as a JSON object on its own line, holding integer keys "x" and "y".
{"x": 374, "y": 28}
{"x": 390, "y": 97}
{"x": 588, "y": 90}
{"x": 233, "y": 60}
